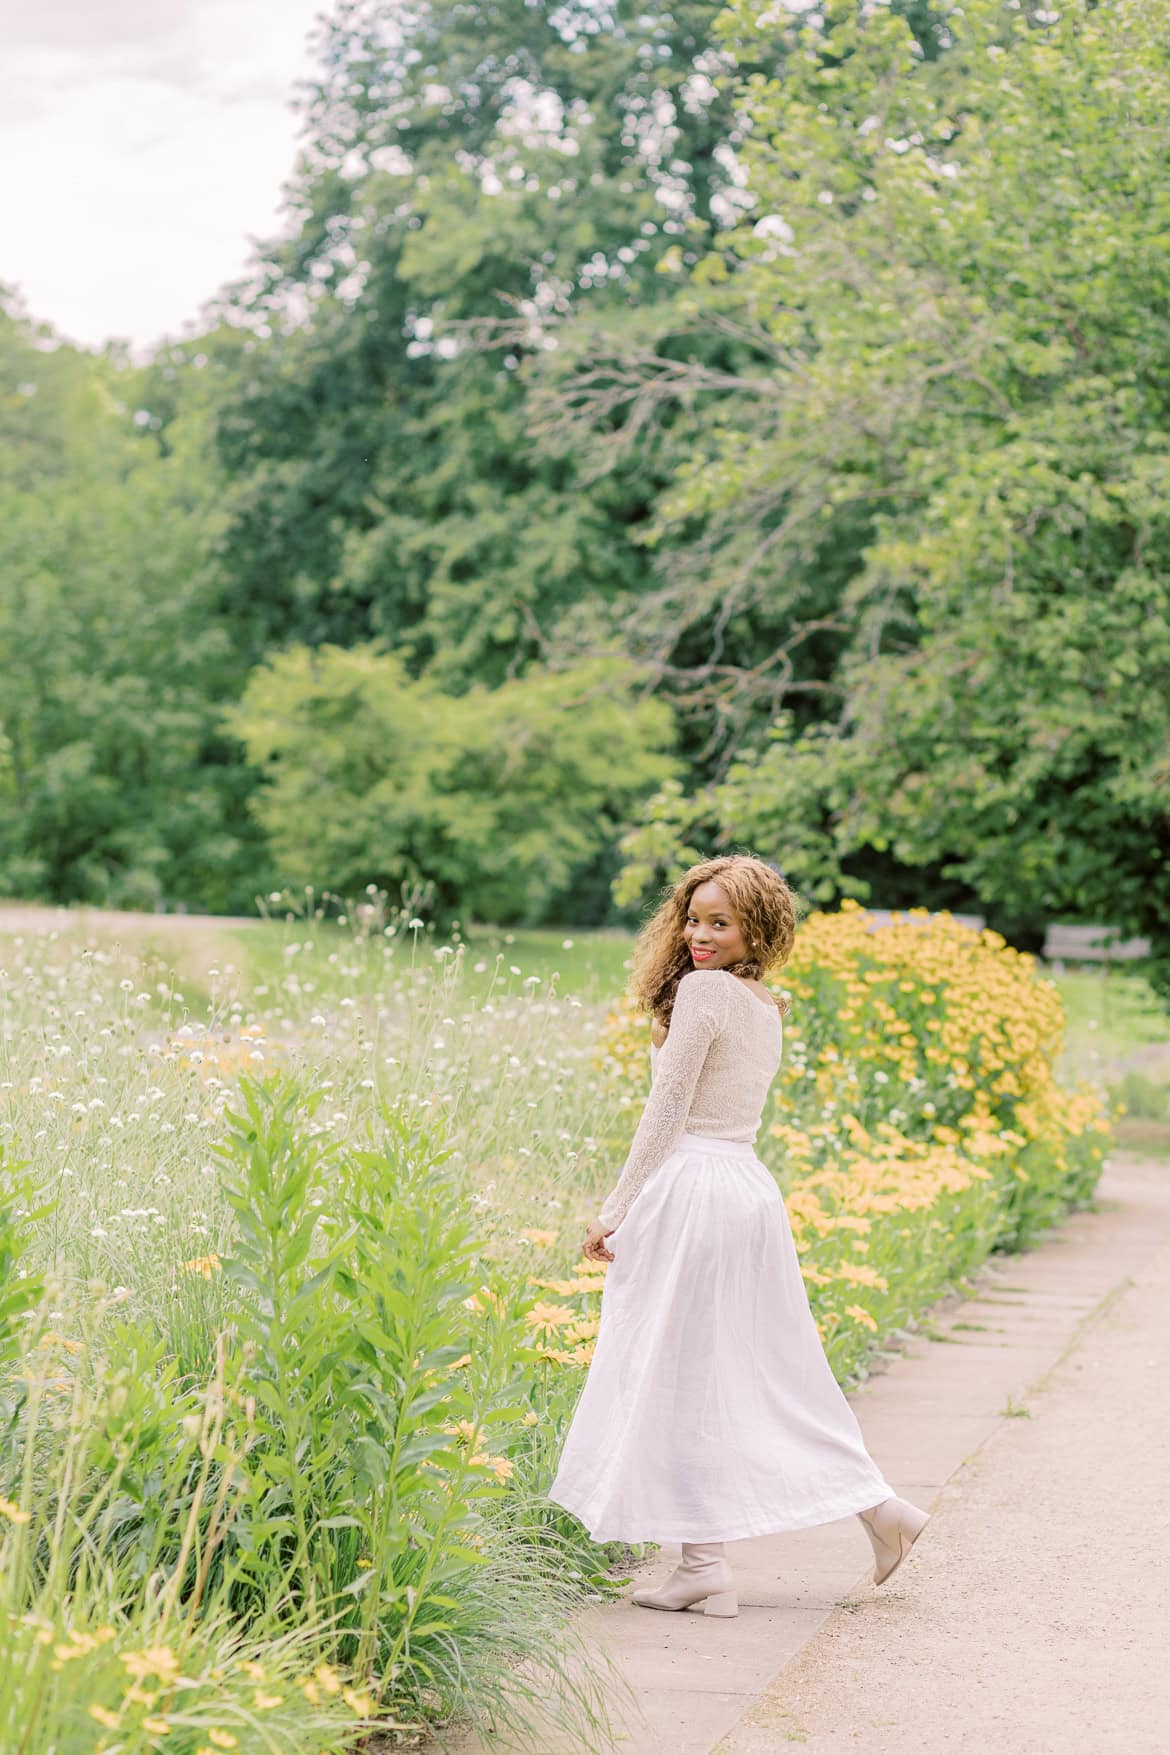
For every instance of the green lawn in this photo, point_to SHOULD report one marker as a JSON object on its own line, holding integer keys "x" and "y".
{"x": 1110, "y": 1013}
{"x": 322, "y": 958}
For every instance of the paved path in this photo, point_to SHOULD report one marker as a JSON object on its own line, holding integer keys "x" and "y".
{"x": 1033, "y": 1616}
{"x": 1036, "y": 1621}
{"x": 44, "y": 917}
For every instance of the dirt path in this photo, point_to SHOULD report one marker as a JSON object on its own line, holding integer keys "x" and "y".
{"x": 193, "y": 944}
{"x": 113, "y": 922}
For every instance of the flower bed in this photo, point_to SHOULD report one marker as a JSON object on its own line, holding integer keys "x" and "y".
{"x": 916, "y": 1122}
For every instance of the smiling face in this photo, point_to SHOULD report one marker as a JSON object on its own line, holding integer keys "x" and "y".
{"x": 712, "y": 929}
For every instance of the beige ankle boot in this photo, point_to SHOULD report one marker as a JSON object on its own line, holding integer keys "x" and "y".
{"x": 893, "y": 1527}
{"x": 705, "y": 1576}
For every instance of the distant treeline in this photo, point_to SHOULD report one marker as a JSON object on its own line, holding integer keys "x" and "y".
{"x": 662, "y": 429}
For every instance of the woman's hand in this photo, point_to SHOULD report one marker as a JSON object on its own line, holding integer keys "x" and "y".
{"x": 595, "y": 1242}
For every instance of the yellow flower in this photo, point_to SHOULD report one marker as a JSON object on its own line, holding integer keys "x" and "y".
{"x": 13, "y": 1513}
{"x": 861, "y": 1274}
{"x": 222, "y": 1739}
{"x": 205, "y": 1265}
{"x": 105, "y": 1717}
{"x": 329, "y": 1679}
{"x": 549, "y": 1316}
{"x": 254, "y": 1670}
{"x": 156, "y": 1660}
{"x": 530, "y": 1418}
{"x": 545, "y": 1239}
{"x": 358, "y": 1703}
{"x": 860, "y": 1315}
{"x": 587, "y": 1268}
{"x": 52, "y": 1339}
{"x": 80, "y": 1645}
{"x": 158, "y": 1727}
{"x": 264, "y": 1702}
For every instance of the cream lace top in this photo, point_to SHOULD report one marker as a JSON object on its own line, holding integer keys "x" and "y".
{"x": 711, "y": 1075}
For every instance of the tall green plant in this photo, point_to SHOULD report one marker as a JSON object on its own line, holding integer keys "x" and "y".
{"x": 361, "y": 1436}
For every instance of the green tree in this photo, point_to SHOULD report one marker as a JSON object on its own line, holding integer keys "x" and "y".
{"x": 116, "y": 782}
{"x": 505, "y": 800}
{"x": 461, "y": 168}
{"x": 956, "y": 269}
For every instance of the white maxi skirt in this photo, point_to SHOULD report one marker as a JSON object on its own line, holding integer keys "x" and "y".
{"x": 710, "y": 1411}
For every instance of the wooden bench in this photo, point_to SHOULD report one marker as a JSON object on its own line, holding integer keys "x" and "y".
{"x": 1091, "y": 944}
{"x": 885, "y": 917}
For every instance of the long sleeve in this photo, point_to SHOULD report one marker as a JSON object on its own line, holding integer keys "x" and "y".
{"x": 699, "y": 1011}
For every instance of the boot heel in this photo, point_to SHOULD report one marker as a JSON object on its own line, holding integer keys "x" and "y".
{"x": 724, "y": 1602}
{"x": 893, "y": 1528}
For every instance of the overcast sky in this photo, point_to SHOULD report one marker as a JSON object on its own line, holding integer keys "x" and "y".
{"x": 142, "y": 144}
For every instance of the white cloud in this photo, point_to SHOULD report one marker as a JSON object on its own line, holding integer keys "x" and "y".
{"x": 98, "y": 24}
{"x": 145, "y": 143}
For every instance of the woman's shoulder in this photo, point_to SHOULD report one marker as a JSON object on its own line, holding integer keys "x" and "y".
{"x": 696, "y": 995}
{"x": 697, "y": 991}
{"x": 762, "y": 993}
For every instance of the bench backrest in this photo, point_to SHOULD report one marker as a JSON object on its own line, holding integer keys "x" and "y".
{"x": 1091, "y": 944}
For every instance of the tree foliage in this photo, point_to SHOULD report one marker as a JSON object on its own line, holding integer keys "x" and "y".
{"x": 782, "y": 387}
{"x": 957, "y": 274}
{"x": 505, "y": 800}
{"x": 462, "y": 165}
{"x": 117, "y": 784}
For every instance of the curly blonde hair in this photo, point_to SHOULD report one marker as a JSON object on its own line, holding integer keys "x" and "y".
{"x": 765, "y": 906}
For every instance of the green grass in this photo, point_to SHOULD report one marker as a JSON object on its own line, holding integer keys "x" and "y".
{"x": 1149, "y": 1138}
{"x": 589, "y": 964}
{"x": 1118, "y": 1035}
{"x": 1110, "y": 1015}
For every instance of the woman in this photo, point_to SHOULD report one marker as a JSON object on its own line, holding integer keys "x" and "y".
{"x": 710, "y": 1411}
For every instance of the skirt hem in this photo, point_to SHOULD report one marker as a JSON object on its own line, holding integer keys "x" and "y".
{"x": 740, "y": 1533}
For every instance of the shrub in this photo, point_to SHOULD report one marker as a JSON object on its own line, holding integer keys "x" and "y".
{"x": 333, "y": 1478}
{"x": 917, "y": 1122}
{"x": 1142, "y": 1097}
